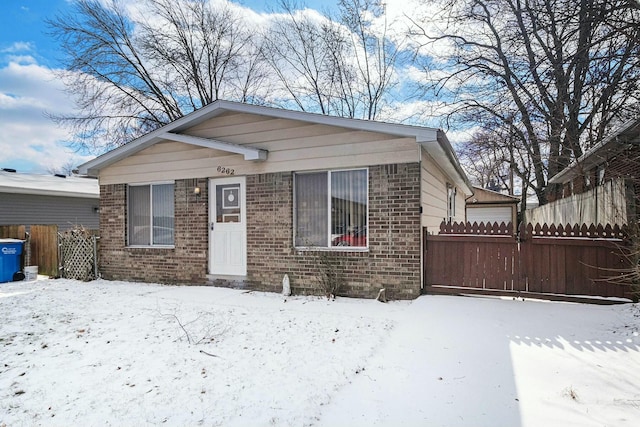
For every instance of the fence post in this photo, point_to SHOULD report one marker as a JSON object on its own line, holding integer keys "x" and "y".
{"x": 95, "y": 255}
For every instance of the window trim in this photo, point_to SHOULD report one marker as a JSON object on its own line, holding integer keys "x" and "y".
{"x": 150, "y": 185}
{"x": 452, "y": 193}
{"x": 295, "y": 214}
{"x": 600, "y": 174}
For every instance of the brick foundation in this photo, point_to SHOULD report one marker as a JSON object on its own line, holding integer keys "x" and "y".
{"x": 392, "y": 261}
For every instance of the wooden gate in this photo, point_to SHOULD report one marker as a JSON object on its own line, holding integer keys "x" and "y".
{"x": 573, "y": 260}
{"x": 566, "y": 260}
{"x": 44, "y": 249}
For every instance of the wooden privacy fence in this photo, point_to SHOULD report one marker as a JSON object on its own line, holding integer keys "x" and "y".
{"x": 41, "y": 245}
{"x": 567, "y": 260}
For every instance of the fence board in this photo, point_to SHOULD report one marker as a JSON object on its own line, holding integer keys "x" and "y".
{"x": 469, "y": 257}
{"x": 13, "y": 232}
{"x": 17, "y": 232}
{"x": 44, "y": 249}
{"x": 573, "y": 260}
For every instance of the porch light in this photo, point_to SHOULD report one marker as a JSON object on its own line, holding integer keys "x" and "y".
{"x": 196, "y": 191}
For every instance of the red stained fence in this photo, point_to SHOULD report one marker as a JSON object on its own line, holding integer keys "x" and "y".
{"x": 566, "y": 260}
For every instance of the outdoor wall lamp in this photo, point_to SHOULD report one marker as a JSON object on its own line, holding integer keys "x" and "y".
{"x": 196, "y": 191}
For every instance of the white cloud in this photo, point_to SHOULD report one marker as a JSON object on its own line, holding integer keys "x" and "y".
{"x": 29, "y": 140}
{"x": 460, "y": 136}
{"x": 18, "y": 47}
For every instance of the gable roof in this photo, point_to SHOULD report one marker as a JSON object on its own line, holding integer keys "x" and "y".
{"x": 619, "y": 140}
{"x": 433, "y": 140}
{"x": 485, "y": 196}
{"x": 48, "y": 185}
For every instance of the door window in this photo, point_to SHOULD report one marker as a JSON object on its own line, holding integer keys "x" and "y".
{"x": 228, "y": 204}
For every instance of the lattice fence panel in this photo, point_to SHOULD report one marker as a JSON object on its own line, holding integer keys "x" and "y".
{"x": 78, "y": 255}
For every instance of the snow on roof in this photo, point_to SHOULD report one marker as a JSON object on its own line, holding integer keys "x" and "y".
{"x": 48, "y": 185}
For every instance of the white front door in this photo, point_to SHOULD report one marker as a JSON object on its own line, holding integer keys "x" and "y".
{"x": 227, "y": 226}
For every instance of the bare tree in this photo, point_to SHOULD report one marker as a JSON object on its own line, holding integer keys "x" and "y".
{"x": 486, "y": 161}
{"x": 553, "y": 74}
{"x": 496, "y": 159}
{"x": 295, "y": 47}
{"x": 66, "y": 168}
{"x": 131, "y": 73}
{"x": 341, "y": 66}
{"x": 376, "y": 55}
{"x": 205, "y": 49}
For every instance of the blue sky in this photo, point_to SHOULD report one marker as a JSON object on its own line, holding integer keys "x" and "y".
{"x": 29, "y": 141}
{"x": 22, "y": 21}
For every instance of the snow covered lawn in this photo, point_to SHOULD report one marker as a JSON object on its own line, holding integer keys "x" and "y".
{"x": 119, "y": 353}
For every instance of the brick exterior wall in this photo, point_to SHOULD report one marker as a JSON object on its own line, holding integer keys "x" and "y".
{"x": 185, "y": 263}
{"x": 392, "y": 261}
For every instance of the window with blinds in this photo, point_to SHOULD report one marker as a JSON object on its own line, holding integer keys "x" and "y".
{"x": 331, "y": 208}
{"x": 151, "y": 215}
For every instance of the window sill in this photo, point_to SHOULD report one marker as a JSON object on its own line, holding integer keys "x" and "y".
{"x": 150, "y": 247}
{"x": 331, "y": 249}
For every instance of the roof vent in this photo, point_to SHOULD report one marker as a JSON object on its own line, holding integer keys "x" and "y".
{"x": 59, "y": 175}
{"x": 9, "y": 170}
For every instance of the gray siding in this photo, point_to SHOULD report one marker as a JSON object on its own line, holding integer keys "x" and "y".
{"x": 66, "y": 212}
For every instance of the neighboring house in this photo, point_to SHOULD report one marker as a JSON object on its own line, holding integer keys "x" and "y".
{"x": 602, "y": 186}
{"x": 28, "y": 199}
{"x": 240, "y": 195}
{"x": 489, "y": 206}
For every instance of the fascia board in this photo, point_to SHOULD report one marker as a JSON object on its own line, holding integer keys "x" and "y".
{"x": 249, "y": 153}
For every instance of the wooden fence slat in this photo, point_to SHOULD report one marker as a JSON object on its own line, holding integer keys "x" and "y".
{"x": 44, "y": 248}
{"x": 17, "y": 232}
{"x": 13, "y": 232}
{"x": 564, "y": 259}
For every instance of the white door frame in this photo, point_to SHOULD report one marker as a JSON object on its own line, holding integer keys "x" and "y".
{"x": 239, "y": 266}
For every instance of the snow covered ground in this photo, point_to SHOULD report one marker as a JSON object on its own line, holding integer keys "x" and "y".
{"x": 116, "y": 353}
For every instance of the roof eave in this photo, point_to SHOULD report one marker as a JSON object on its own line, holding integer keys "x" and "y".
{"x": 56, "y": 193}
{"x": 601, "y": 152}
{"x": 92, "y": 168}
{"x": 441, "y": 150}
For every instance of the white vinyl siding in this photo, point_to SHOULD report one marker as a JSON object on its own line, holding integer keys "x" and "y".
{"x": 434, "y": 201}
{"x": 291, "y": 145}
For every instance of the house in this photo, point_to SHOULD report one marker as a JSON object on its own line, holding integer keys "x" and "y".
{"x": 602, "y": 186}
{"x": 29, "y": 199}
{"x": 487, "y": 206}
{"x": 240, "y": 195}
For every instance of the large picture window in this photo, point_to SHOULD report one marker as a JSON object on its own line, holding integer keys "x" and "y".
{"x": 331, "y": 208}
{"x": 151, "y": 215}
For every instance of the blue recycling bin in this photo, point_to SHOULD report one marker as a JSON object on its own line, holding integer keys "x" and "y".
{"x": 10, "y": 255}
